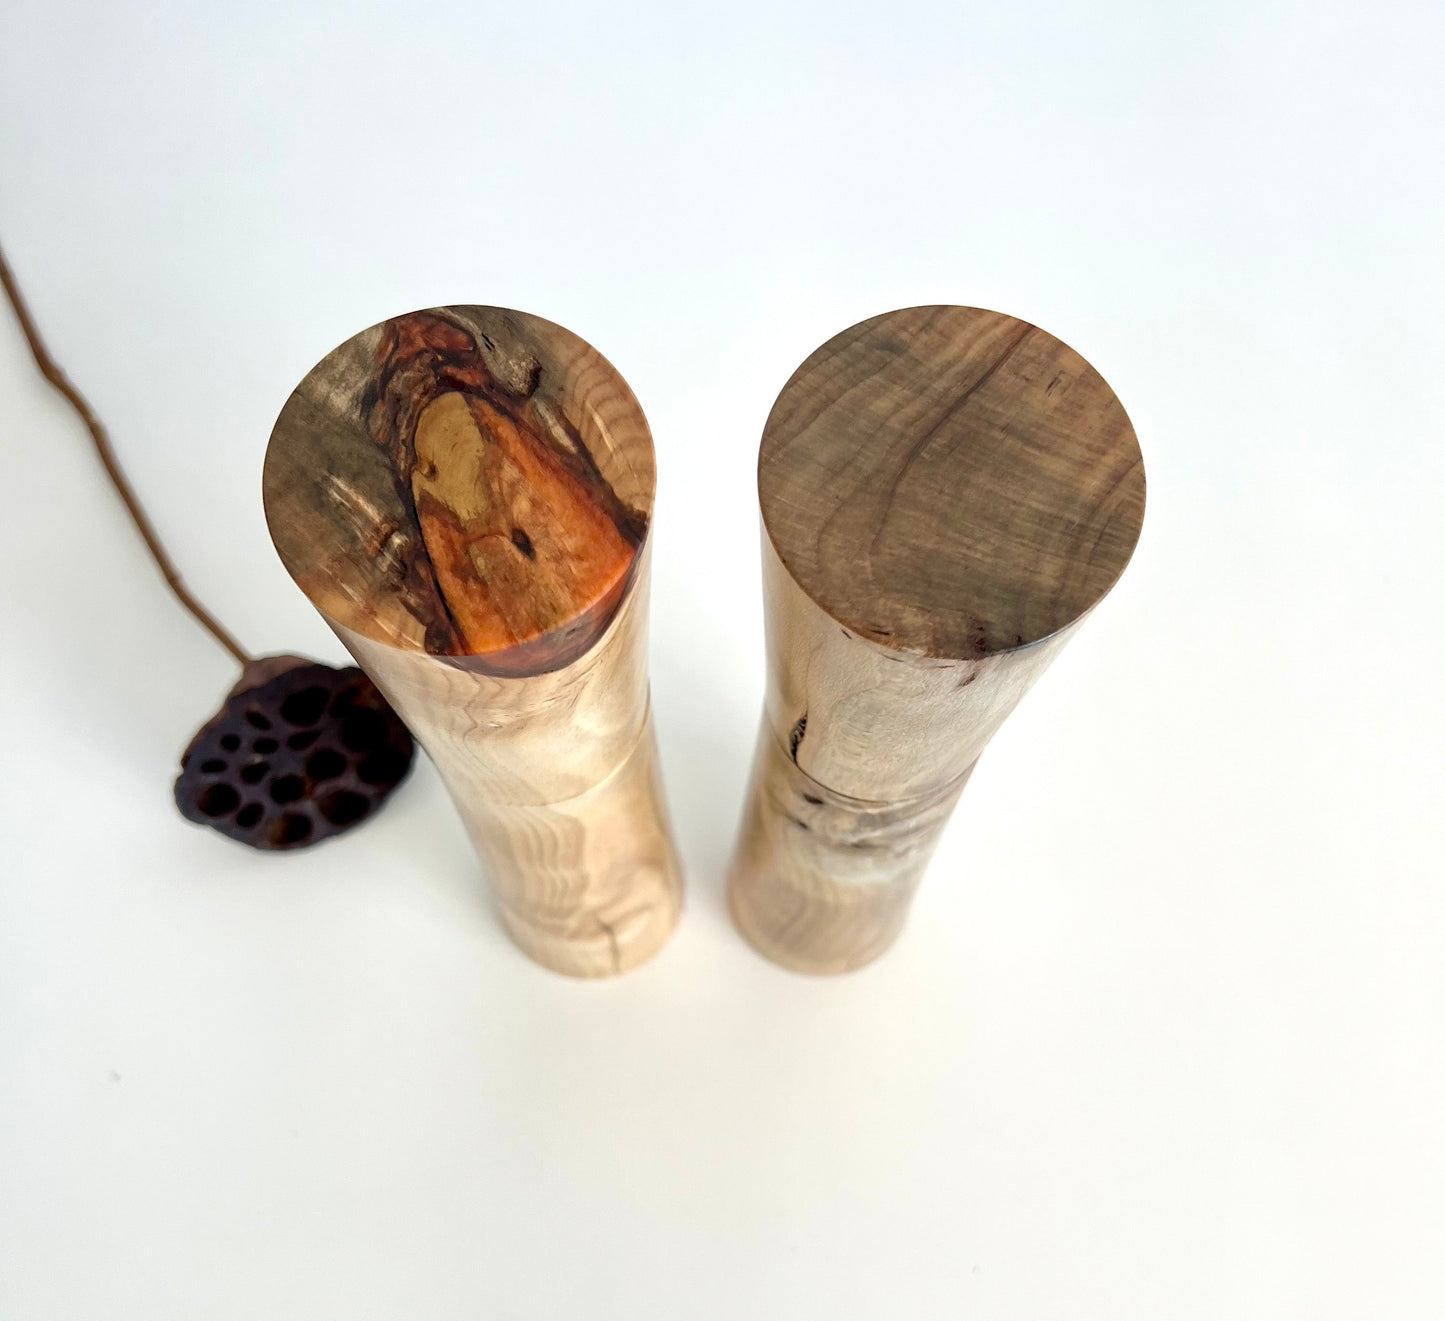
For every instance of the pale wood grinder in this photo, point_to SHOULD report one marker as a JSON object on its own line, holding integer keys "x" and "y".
{"x": 465, "y": 494}
{"x": 946, "y": 493}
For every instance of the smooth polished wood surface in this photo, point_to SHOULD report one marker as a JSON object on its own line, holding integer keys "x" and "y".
{"x": 466, "y": 481}
{"x": 950, "y": 481}
{"x": 464, "y": 493}
{"x": 946, "y": 493}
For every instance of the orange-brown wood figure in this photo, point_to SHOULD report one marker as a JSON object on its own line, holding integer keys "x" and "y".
{"x": 465, "y": 493}
{"x": 946, "y": 494}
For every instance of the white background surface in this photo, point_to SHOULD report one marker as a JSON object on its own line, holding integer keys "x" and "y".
{"x": 1164, "y": 1038}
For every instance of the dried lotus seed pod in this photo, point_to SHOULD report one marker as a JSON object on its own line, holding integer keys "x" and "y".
{"x": 298, "y": 753}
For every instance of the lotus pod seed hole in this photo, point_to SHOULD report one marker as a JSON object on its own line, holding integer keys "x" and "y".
{"x": 342, "y": 806}
{"x": 289, "y": 828}
{"x": 325, "y": 764}
{"x": 384, "y": 767}
{"x": 218, "y": 800}
{"x": 287, "y": 788}
{"x": 305, "y": 707}
{"x": 363, "y": 729}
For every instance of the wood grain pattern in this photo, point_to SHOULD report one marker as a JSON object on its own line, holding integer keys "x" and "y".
{"x": 950, "y": 481}
{"x": 464, "y": 494}
{"x": 946, "y": 493}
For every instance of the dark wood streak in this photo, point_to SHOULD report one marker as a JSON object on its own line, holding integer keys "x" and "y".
{"x": 954, "y": 408}
{"x": 950, "y": 482}
{"x": 491, "y": 533}
{"x": 477, "y": 598}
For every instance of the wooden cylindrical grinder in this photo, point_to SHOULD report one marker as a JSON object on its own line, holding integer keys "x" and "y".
{"x": 464, "y": 494}
{"x": 946, "y": 493}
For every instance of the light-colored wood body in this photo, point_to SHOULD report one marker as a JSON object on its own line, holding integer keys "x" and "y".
{"x": 555, "y": 777}
{"x": 861, "y": 757}
{"x": 527, "y": 686}
{"x": 868, "y": 738}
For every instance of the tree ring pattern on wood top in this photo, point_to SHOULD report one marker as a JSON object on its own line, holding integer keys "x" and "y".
{"x": 951, "y": 482}
{"x": 471, "y": 482}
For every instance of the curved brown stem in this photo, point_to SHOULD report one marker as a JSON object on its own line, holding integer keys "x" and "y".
{"x": 52, "y": 373}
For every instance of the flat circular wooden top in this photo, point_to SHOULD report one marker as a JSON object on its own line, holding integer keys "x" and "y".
{"x": 950, "y": 482}
{"x": 471, "y": 482}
